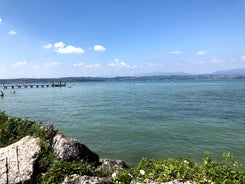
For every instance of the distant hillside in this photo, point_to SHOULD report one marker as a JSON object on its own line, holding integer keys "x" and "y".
{"x": 240, "y": 71}
{"x": 235, "y": 73}
{"x": 163, "y": 74}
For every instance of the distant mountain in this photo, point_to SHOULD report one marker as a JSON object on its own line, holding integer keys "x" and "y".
{"x": 229, "y": 74}
{"x": 162, "y": 74}
{"x": 239, "y": 71}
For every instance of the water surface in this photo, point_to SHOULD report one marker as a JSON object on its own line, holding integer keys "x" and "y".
{"x": 131, "y": 120}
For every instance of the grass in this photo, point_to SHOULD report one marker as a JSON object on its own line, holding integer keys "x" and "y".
{"x": 53, "y": 170}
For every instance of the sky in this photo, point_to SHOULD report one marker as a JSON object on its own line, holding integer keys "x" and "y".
{"x": 106, "y": 38}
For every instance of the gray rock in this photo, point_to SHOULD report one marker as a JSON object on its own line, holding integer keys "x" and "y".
{"x": 17, "y": 160}
{"x": 70, "y": 149}
{"x": 112, "y": 165}
{"x": 75, "y": 179}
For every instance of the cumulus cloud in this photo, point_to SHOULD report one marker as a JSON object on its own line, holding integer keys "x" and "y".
{"x": 48, "y": 46}
{"x": 87, "y": 66}
{"x": 59, "y": 45}
{"x": 176, "y": 52}
{"x": 19, "y": 64}
{"x": 118, "y": 63}
{"x": 12, "y": 32}
{"x": 99, "y": 48}
{"x": 201, "y": 52}
{"x": 243, "y": 58}
{"x": 62, "y": 48}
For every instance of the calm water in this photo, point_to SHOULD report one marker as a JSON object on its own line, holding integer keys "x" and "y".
{"x": 131, "y": 120}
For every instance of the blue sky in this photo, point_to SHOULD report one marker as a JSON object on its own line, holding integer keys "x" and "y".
{"x": 60, "y": 38}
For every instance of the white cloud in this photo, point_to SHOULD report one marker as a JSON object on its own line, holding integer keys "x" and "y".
{"x": 99, "y": 48}
{"x": 12, "y": 32}
{"x": 61, "y": 48}
{"x": 71, "y": 49}
{"x": 78, "y": 64}
{"x": 87, "y": 66}
{"x": 59, "y": 45}
{"x": 124, "y": 64}
{"x": 1, "y": 20}
{"x": 48, "y": 46}
{"x": 19, "y": 64}
{"x": 118, "y": 63}
{"x": 176, "y": 52}
{"x": 243, "y": 58}
{"x": 201, "y": 52}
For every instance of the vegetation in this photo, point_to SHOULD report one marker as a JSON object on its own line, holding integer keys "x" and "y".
{"x": 53, "y": 170}
{"x": 209, "y": 171}
{"x": 50, "y": 168}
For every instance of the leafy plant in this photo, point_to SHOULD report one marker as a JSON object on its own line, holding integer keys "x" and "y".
{"x": 60, "y": 169}
{"x": 183, "y": 170}
{"x": 13, "y": 129}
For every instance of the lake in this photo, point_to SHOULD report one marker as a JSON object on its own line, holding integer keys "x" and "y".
{"x": 129, "y": 120}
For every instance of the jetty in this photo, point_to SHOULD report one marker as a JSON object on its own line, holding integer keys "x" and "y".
{"x": 14, "y": 86}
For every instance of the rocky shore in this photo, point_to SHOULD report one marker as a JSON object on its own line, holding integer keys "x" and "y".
{"x": 18, "y": 160}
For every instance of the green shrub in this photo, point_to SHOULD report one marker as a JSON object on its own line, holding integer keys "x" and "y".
{"x": 13, "y": 129}
{"x": 59, "y": 169}
{"x": 183, "y": 170}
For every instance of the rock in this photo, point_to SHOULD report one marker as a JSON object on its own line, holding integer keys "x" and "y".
{"x": 69, "y": 149}
{"x": 112, "y": 165}
{"x": 75, "y": 179}
{"x": 17, "y": 160}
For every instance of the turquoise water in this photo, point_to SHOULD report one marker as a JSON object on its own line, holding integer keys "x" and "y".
{"x": 131, "y": 120}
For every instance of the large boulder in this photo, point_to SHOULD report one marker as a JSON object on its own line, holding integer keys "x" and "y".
{"x": 70, "y": 149}
{"x": 17, "y": 160}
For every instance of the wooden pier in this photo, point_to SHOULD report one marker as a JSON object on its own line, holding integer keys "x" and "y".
{"x": 19, "y": 86}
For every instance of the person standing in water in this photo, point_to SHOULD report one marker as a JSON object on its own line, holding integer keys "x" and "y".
{"x": 1, "y": 93}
